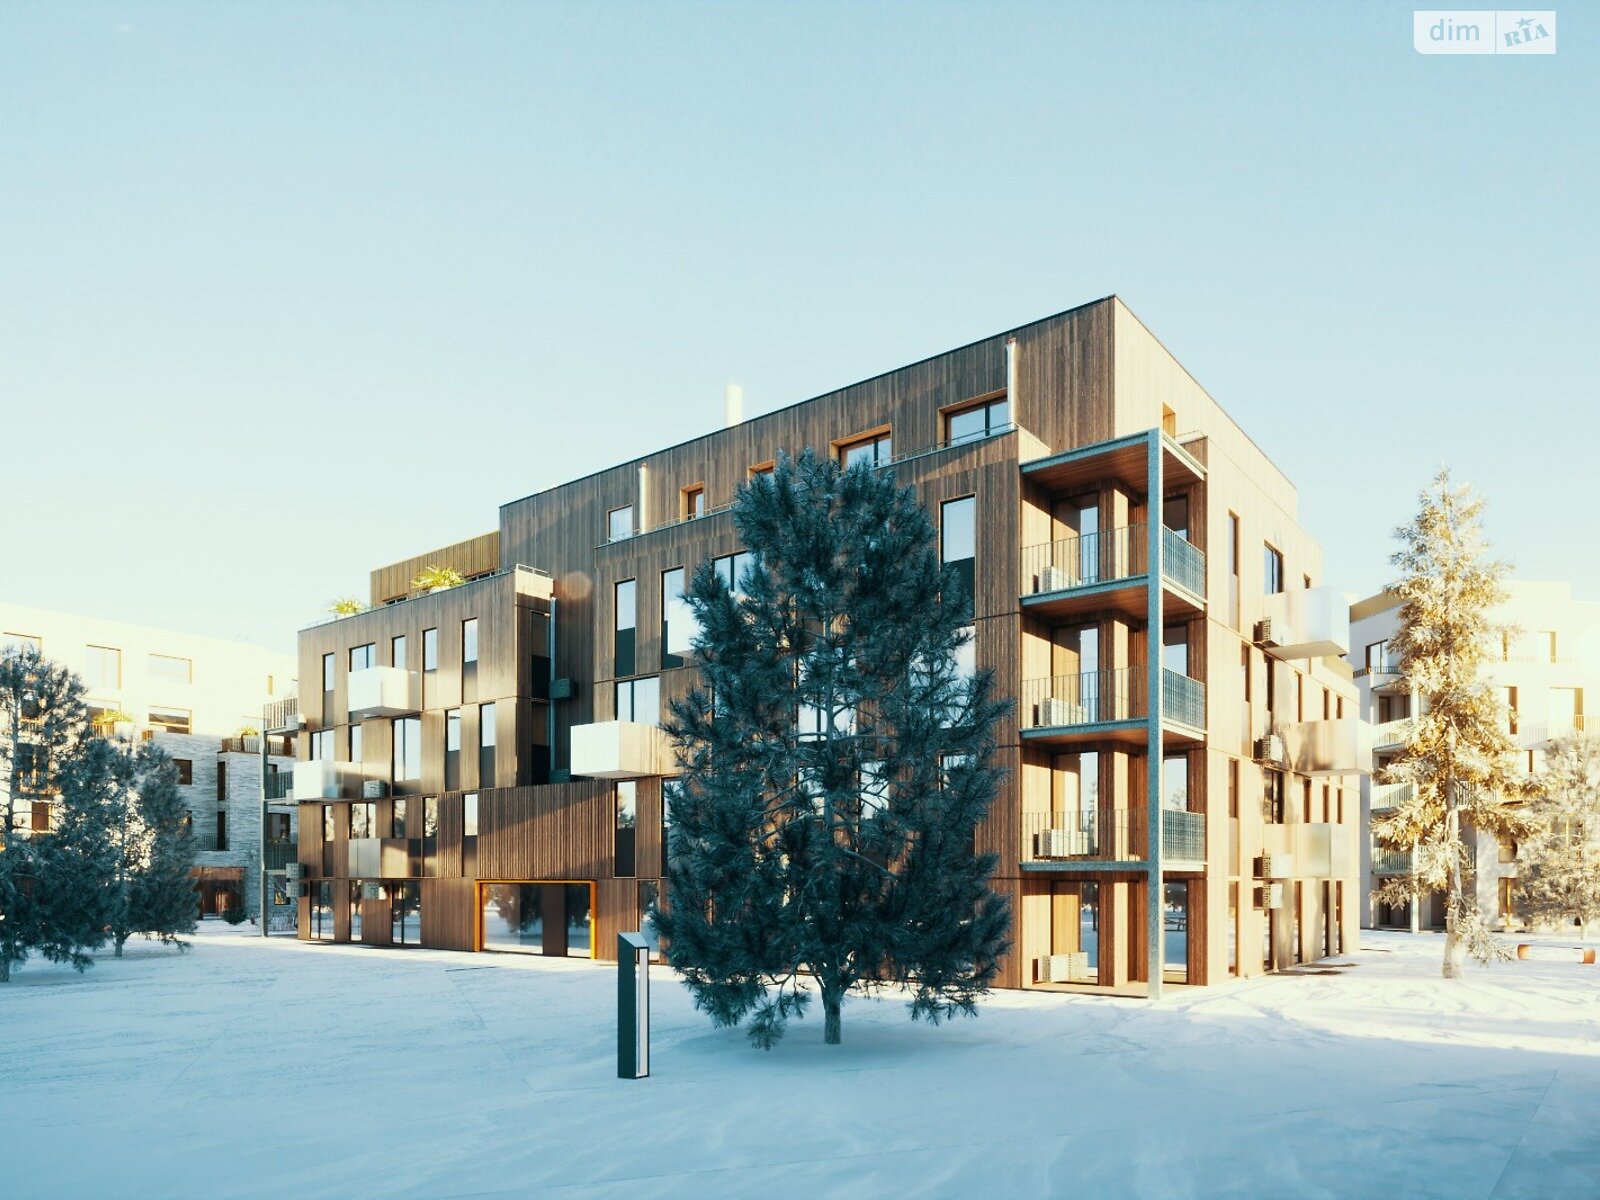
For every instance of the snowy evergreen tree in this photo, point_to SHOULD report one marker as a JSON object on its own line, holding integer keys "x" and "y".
{"x": 1558, "y": 875}
{"x": 158, "y": 864}
{"x": 1459, "y": 757}
{"x": 837, "y": 765}
{"x": 75, "y": 893}
{"x": 44, "y": 724}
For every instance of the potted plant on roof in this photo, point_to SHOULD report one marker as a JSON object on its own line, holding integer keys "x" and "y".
{"x": 115, "y": 723}
{"x": 346, "y": 606}
{"x": 437, "y": 579}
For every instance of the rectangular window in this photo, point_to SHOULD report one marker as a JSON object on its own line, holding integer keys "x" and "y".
{"x": 172, "y": 720}
{"x": 397, "y": 818}
{"x": 1273, "y": 567}
{"x": 362, "y": 657}
{"x": 430, "y": 836}
{"x": 1272, "y": 797}
{"x": 469, "y": 641}
{"x": 166, "y": 668}
{"x": 487, "y": 735}
{"x": 1564, "y": 710}
{"x": 875, "y": 450}
{"x": 1233, "y": 787}
{"x": 327, "y": 673}
{"x": 452, "y": 729}
{"x": 355, "y": 744}
{"x": 407, "y": 749}
{"x": 1508, "y": 697}
{"x": 958, "y": 543}
{"x": 19, "y": 641}
{"x": 693, "y": 502}
{"x": 979, "y": 421}
{"x": 619, "y": 523}
{"x": 185, "y": 769}
{"x": 397, "y": 651}
{"x": 322, "y": 745}
{"x": 103, "y": 669}
{"x": 469, "y": 815}
{"x": 405, "y": 913}
{"x": 1175, "y": 783}
{"x": 623, "y": 829}
{"x": 430, "y": 649}
{"x": 731, "y": 569}
{"x": 623, "y": 633}
{"x": 328, "y": 833}
{"x": 1233, "y": 569}
{"x": 678, "y": 626}
{"x": 363, "y": 819}
{"x": 765, "y": 468}
{"x": 639, "y": 700}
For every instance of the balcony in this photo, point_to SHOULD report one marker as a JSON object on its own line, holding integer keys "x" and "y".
{"x": 1391, "y": 735}
{"x": 1065, "y": 839}
{"x": 1391, "y": 862}
{"x": 621, "y": 750}
{"x": 1309, "y": 623}
{"x": 283, "y": 716}
{"x": 1124, "y": 460}
{"x": 1386, "y": 796}
{"x": 1110, "y": 570}
{"x": 384, "y": 692}
{"x": 1183, "y": 700}
{"x": 1110, "y": 704}
{"x": 278, "y": 785}
{"x": 1322, "y": 850}
{"x": 379, "y": 858}
{"x": 1183, "y": 837}
{"x": 320, "y": 780}
{"x": 277, "y": 747}
{"x": 1337, "y": 747}
{"x": 277, "y": 855}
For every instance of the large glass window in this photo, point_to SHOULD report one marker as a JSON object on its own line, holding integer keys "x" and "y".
{"x": 619, "y": 523}
{"x": 171, "y": 720}
{"x": 979, "y": 421}
{"x": 1273, "y": 570}
{"x": 430, "y": 836}
{"x": 398, "y": 825}
{"x": 639, "y": 700}
{"x": 397, "y": 651}
{"x": 623, "y": 829}
{"x": 1175, "y": 917}
{"x": 958, "y": 542}
{"x": 452, "y": 748}
{"x": 322, "y": 911}
{"x": 322, "y": 745}
{"x": 623, "y": 635}
{"x": 363, "y": 819}
{"x": 875, "y": 450}
{"x": 1175, "y": 783}
{"x": 405, "y": 913}
{"x": 356, "y": 757}
{"x": 537, "y": 918}
{"x": 167, "y": 668}
{"x": 355, "y": 910}
{"x": 430, "y": 649}
{"x": 103, "y": 669}
{"x": 327, "y": 672}
{"x": 488, "y": 737}
{"x": 469, "y": 641}
{"x": 362, "y": 657}
{"x": 1272, "y": 797}
{"x": 469, "y": 815}
{"x": 731, "y": 569}
{"x": 678, "y": 625}
{"x": 407, "y": 749}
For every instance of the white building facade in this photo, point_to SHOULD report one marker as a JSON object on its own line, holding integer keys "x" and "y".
{"x": 199, "y": 699}
{"x": 1546, "y": 669}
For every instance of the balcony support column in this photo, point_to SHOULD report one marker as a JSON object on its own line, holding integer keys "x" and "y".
{"x": 1154, "y": 908}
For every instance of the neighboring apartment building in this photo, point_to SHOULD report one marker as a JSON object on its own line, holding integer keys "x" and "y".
{"x": 482, "y": 768}
{"x": 194, "y": 697}
{"x": 1543, "y": 670}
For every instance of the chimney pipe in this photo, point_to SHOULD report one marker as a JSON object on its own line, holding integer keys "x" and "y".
{"x": 732, "y": 405}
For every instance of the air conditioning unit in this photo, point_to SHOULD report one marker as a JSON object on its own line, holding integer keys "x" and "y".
{"x": 372, "y": 891}
{"x": 1266, "y": 635}
{"x": 1054, "y": 579}
{"x": 1061, "y": 968}
{"x": 294, "y": 889}
{"x": 293, "y": 871}
{"x": 374, "y": 789}
{"x": 1270, "y": 749}
{"x": 1271, "y": 895}
{"x": 1061, "y": 712}
{"x": 1277, "y": 866}
{"x": 1061, "y": 843}
{"x": 564, "y": 688}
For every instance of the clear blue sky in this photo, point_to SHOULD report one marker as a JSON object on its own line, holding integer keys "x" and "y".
{"x": 268, "y": 272}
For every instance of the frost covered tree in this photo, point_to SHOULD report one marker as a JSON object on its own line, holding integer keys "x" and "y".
{"x": 1558, "y": 876}
{"x": 1458, "y": 757}
{"x": 160, "y": 895}
{"x": 837, "y": 765}
{"x": 44, "y": 726}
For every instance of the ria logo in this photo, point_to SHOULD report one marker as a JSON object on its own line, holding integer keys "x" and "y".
{"x": 1483, "y": 31}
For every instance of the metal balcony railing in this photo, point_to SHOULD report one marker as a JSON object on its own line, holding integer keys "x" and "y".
{"x": 1114, "y": 835}
{"x": 278, "y": 785}
{"x": 249, "y": 744}
{"x": 1183, "y": 562}
{"x": 1183, "y": 835}
{"x": 281, "y": 714}
{"x": 1391, "y": 795}
{"x": 1391, "y": 734}
{"x": 1090, "y": 698}
{"x": 1183, "y": 699}
{"x": 277, "y": 855}
{"x": 1391, "y": 862}
{"x": 1084, "y": 560}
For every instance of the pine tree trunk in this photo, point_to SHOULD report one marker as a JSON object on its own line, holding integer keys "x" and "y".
{"x": 5, "y": 969}
{"x": 830, "y": 1016}
{"x": 121, "y": 938}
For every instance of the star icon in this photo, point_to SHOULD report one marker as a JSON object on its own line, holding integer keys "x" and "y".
{"x": 1524, "y": 23}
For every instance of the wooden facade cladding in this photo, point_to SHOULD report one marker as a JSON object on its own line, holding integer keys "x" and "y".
{"x": 475, "y": 556}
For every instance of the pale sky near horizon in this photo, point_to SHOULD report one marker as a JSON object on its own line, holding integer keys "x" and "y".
{"x": 276, "y": 279}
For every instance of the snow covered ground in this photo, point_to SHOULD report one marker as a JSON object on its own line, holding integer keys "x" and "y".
{"x": 251, "y": 1068}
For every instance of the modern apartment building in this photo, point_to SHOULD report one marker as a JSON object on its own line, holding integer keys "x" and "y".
{"x": 1543, "y": 668}
{"x": 481, "y": 768}
{"x": 197, "y": 698}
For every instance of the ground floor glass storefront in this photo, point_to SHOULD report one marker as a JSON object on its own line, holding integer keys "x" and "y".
{"x": 552, "y": 918}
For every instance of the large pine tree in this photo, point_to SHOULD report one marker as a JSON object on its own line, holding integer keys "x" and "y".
{"x": 1459, "y": 757}
{"x": 1558, "y": 871}
{"x": 157, "y": 893}
{"x": 837, "y": 765}
{"x": 44, "y": 727}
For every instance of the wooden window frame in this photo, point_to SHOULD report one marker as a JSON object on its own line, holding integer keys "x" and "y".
{"x": 841, "y": 446}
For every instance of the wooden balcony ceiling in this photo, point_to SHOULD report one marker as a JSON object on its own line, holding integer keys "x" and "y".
{"x": 1122, "y": 460}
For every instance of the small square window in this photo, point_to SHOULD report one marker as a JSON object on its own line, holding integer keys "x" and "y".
{"x": 619, "y": 523}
